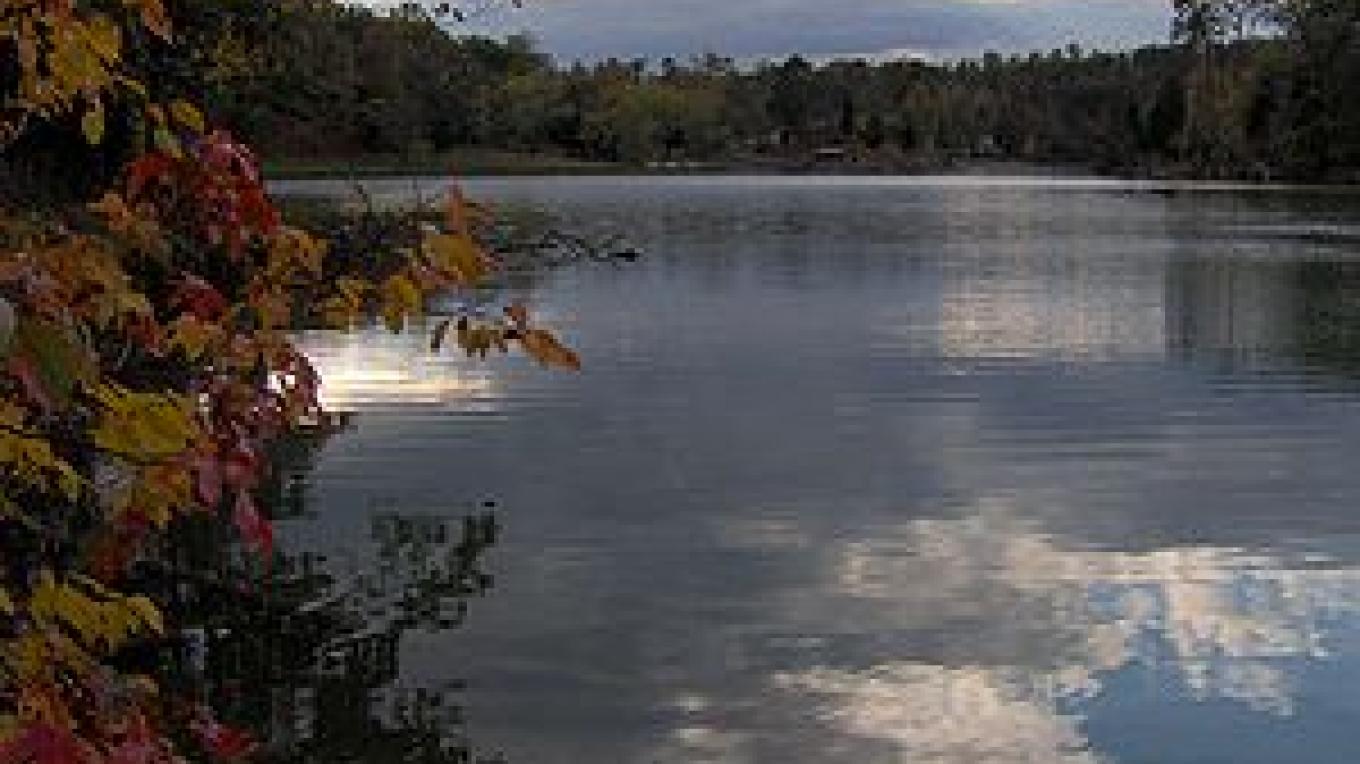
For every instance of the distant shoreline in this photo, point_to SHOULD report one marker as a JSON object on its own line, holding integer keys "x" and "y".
{"x": 471, "y": 163}
{"x": 460, "y": 163}
{"x": 480, "y": 163}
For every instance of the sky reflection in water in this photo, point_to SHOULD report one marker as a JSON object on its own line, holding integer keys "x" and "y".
{"x": 882, "y": 472}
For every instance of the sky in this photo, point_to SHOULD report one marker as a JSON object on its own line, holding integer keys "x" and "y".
{"x": 748, "y": 29}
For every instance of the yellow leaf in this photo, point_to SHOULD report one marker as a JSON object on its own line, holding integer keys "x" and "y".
{"x": 475, "y": 340}
{"x": 188, "y": 115}
{"x": 92, "y": 124}
{"x": 91, "y": 584}
{"x": 352, "y": 289}
{"x": 457, "y": 256}
{"x": 401, "y": 298}
{"x": 147, "y": 611}
{"x": 338, "y": 313}
{"x": 156, "y": 494}
{"x": 105, "y": 620}
{"x": 133, "y": 85}
{"x": 291, "y": 250}
{"x": 192, "y": 335}
{"x": 43, "y": 603}
{"x": 143, "y": 684}
{"x": 343, "y": 309}
{"x": 147, "y": 426}
{"x": 104, "y": 38}
{"x": 114, "y": 210}
{"x": 274, "y": 308}
{"x": 30, "y": 460}
{"x": 6, "y": 603}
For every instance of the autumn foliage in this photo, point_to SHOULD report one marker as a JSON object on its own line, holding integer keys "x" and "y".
{"x": 147, "y": 367}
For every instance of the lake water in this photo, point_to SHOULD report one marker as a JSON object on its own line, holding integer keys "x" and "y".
{"x": 895, "y": 470}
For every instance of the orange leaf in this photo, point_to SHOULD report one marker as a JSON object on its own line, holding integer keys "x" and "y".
{"x": 457, "y": 211}
{"x": 155, "y": 19}
{"x": 544, "y": 348}
{"x": 518, "y": 314}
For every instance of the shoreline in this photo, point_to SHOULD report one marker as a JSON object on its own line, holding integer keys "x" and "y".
{"x": 480, "y": 163}
{"x": 471, "y": 163}
{"x": 303, "y": 186}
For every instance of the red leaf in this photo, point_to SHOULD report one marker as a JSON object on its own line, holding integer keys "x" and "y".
{"x": 199, "y": 298}
{"x": 146, "y": 331}
{"x": 140, "y": 746}
{"x": 40, "y": 743}
{"x": 21, "y": 368}
{"x": 220, "y": 151}
{"x": 145, "y": 169}
{"x": 207, "y": 480}
{"x": 222, "y": 742}
{"x": 241, "y": 468}
{"x": 112, "y": 549}
{"x": 254, "y": 528}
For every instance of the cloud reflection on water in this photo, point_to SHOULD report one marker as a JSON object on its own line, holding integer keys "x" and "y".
{"x": 1035, "y": 628}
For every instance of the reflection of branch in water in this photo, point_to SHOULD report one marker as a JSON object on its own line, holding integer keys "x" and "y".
{"x": 422, "y": 572}
{"x": 552, "y": 247}
{"x": 313, "y": 663}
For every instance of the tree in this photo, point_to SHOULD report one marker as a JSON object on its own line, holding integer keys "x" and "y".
{"x": 148, "y": 371}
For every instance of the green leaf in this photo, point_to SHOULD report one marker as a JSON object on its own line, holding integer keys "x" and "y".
{"x": 57, "y": 357}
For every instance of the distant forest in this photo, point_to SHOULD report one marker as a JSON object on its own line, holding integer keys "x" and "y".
{"x": 1256, "y": 89}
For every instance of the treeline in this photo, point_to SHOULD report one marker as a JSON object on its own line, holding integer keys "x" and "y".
{"x": 330, "y": 80}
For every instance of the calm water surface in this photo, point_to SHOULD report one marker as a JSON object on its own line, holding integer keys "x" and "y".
{"x": 966, "y": 470}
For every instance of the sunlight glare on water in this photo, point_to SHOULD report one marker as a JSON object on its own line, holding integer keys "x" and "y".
{"x": 374, "y": 369}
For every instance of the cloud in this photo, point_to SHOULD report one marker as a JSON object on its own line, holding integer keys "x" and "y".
{"x": 940, "y": 28}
